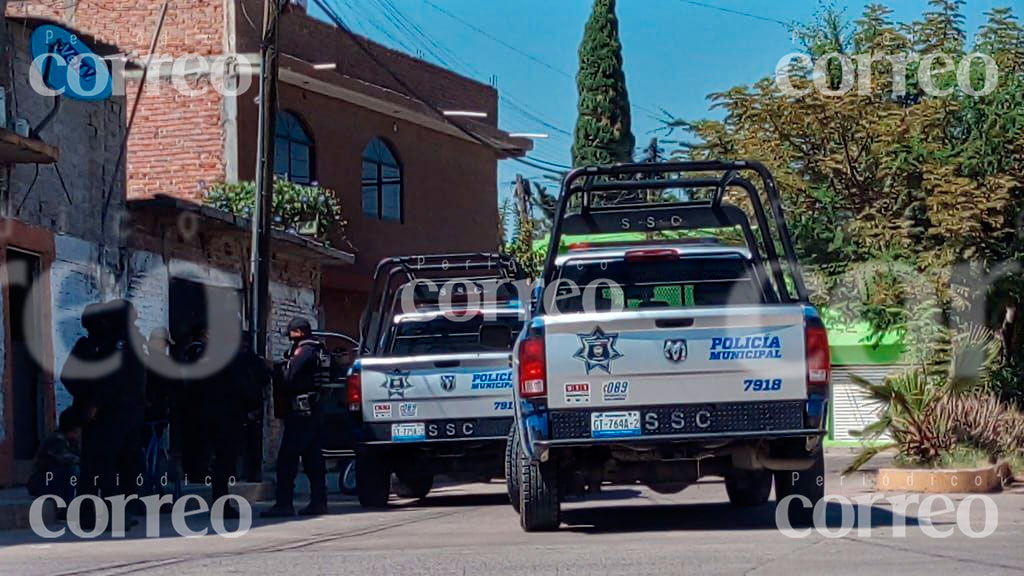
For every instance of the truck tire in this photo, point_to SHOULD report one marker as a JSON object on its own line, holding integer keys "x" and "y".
{"x": 512, "y": 472}
{"x": 806, "y": 484}
{"x": 413, "y": 484}
{"x": 539, "y": 505}
{"x": 373, "y": 479}
{"x": 748, "y": 487}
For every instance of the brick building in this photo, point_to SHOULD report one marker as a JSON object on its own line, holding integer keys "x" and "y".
{"x": 61, "y": 250}
{"x": 409, "y": 181}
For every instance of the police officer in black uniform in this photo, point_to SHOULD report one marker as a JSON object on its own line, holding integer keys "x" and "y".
{"x": 303, "y": 423}
{"x": 106, "y": 376}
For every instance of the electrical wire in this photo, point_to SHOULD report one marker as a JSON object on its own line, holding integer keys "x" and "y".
{"x": 131, "y": 119}
{"x": 519, "y": 51}
{"x": 410, "y": 90}
{"x": 791, "y": 24}
{"x": 417, "y": 36}
{"x": 27, "y": 192}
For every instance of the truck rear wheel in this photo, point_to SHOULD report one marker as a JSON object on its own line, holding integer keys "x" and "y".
{"x": 373, "y": 478}
{"x": 539, "y": 505}
{"x": 808, "y": 483}
{"x": 748, "y": 487}
{"x": 414, "y": 484}
{"x": 512, "y": 472}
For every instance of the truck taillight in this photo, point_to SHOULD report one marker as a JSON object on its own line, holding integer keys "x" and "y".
{"x": 819, "y": 360}
{"x": 656, "y": 254}
{"x": 354, "y": 391}
{"x": 532, "y": 368}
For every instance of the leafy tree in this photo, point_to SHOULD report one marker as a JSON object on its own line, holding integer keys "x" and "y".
{"x": 307, "y": 210}
{"x": 901, "y": 200}
{"x": 603, "y": 133}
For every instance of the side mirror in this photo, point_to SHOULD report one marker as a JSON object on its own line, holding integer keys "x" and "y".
{"x": 496, "y": 336}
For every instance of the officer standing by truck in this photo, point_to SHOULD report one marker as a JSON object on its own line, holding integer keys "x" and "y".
{"x": 303, "y": 424}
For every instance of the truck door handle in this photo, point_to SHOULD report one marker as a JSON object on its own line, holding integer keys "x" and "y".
{"x": 674, "y": 323}
{"x": 447, "y": 363}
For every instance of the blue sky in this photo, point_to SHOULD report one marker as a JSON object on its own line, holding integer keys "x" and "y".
{"x": 675, "y": 52}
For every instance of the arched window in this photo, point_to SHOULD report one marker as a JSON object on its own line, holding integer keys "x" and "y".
{"x": 293, "y": 149}
{"x": 382, "y": 182}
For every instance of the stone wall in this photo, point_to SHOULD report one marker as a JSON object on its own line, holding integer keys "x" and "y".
{"x": 73, "y": 286}
{"x": 68, "y": 197}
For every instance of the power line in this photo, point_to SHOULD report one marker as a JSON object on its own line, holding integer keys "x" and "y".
{"x": 494, "y": 38}
{"x": 409, "y": 89}
{"x": 550, "y": 163}
{"x": 790, "y": 25}
{"x": 517, "y": 50}
{"x": 415, "y": 34}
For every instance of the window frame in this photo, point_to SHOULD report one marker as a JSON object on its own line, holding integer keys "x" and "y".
{"x": 291, "y": 140}
{"x": 380, "y": 181}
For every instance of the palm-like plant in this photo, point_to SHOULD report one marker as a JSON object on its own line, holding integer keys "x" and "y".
{"x": 976, "y": 355}
{"x": 927, "y": 412}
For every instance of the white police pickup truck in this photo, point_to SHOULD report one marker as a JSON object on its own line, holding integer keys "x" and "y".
{"x": 672, "y": 355}
{"x": 430, "y": 393}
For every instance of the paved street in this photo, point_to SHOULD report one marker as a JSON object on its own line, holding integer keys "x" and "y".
{"x": 470, "y": 530}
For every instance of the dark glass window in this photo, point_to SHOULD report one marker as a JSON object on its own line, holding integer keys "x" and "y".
{"x": 293, "y": 149}
{"x": 382, "y": 182}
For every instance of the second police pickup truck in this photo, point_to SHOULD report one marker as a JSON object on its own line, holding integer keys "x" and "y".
{"x": 431, "y": 391}
{"x": 674, "y": 355}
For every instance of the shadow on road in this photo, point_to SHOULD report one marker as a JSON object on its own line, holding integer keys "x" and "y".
{"x": 442, "y": 500}
{"x": 702, "y": 516}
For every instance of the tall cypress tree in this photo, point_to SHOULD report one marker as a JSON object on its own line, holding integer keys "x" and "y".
{"x": 603, "y": 133}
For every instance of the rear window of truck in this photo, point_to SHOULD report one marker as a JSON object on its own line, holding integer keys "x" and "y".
{"x": 684, "y": 283}
{"x": 442, "y": 335}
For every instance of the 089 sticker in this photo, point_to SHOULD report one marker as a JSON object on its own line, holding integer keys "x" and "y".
{"x": 615, "y": 391}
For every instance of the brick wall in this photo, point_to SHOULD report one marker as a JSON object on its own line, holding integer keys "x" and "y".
{"x": 176, "y": 146}
{"x": 191, "y": 26}
{"x": 177, "y": 141}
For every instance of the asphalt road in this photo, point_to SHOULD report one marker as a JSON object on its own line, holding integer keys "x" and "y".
{"x": 472, "y": 530}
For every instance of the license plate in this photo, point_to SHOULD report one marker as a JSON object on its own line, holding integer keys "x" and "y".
{"x": 407, "y": 432}
{"x": 614, "y": 424}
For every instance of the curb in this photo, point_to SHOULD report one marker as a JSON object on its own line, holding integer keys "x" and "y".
{"x": 956, "y": 481}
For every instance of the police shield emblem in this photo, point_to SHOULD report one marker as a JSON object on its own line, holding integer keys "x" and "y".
{"x": 675, "y": 350}
{"x": 396, "y": 384}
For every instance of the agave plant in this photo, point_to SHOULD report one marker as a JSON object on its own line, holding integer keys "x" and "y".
{"x": 906, "y": 398}
{"x": 975, "y": 421}
{"x": 1012, "y": 441}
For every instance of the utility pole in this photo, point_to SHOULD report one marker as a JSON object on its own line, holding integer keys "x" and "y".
{"x": 523, "y": 205}
{"x": 262, "y": 216}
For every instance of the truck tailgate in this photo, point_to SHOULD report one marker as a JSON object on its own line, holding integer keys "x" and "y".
{"x": 436, "y": 387}
{"x": 660, "y": 357}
